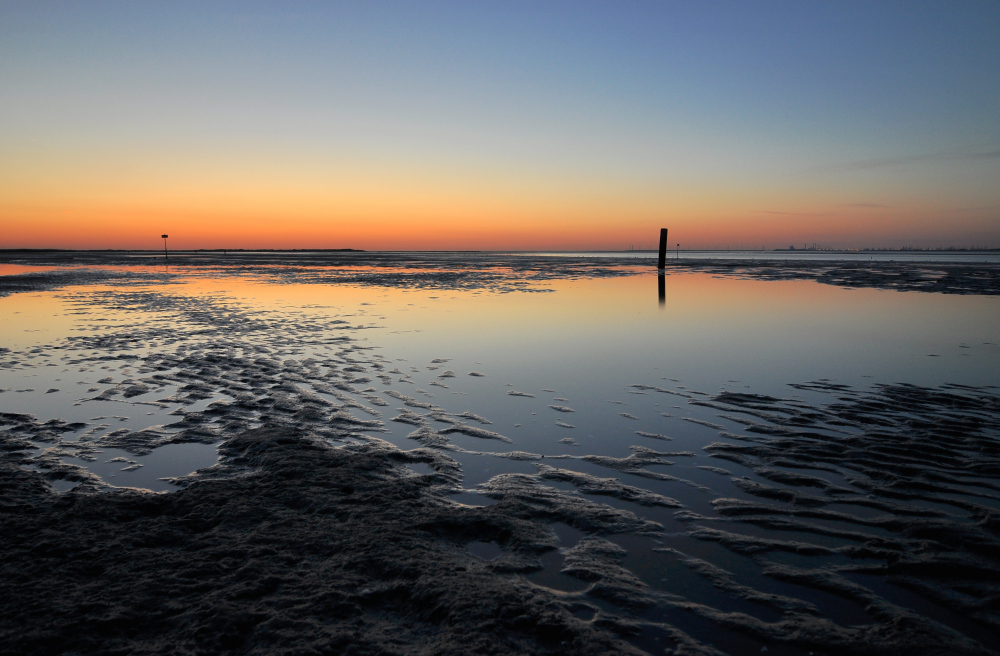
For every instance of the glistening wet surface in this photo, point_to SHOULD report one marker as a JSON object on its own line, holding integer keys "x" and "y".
{"x": 751, "y": 463}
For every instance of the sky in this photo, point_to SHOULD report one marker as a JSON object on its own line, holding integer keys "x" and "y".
{"x": 499, "y": 125}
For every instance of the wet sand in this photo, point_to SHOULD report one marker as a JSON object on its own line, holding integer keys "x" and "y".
{"x": 292, "y": 546}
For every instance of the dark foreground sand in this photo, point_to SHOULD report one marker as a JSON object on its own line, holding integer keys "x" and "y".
{"x": 292, "y": 546}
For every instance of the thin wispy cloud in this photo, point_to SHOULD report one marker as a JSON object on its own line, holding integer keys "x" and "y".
{"x": 965, "y": 153}
{"x": 865, "y": 205}
{"x": 793, "y": 213}
{"x": 983, "y": 208}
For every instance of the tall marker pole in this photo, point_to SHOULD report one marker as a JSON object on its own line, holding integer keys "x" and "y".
{"x": 165, "y": 256}
{"x": 663, "y": 249}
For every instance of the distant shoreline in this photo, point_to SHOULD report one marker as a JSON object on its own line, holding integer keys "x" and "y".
{"x": 941, "y": 272}
{"x": 830, "y": 251}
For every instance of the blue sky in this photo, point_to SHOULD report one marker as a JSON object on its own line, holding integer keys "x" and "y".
{"x": 775, "y": 107}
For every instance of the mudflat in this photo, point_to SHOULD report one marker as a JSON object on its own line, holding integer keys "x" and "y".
{"x": 346, "y": 509}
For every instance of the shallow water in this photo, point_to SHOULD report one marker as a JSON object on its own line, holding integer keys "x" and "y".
{"x": 792, "y": 256}
{"x": 568, "y": 379}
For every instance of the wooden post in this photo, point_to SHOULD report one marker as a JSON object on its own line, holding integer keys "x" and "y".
{"x": 165, "y": 256}
{"x": 663, "y": 249}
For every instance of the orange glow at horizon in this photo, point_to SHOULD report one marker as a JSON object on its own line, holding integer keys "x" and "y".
{"x": 140, "y": 230}
{"x": 123, "y": 200}
{"x": 429, "y": 215}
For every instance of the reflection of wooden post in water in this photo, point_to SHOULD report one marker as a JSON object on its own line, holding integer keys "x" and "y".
{"x": 165, "y": 256}
{"x": 660, "y": 264}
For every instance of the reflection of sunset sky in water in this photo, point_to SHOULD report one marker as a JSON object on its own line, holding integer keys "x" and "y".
{"x": 587, "y": 339}
{"x": 709, "y": 328}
